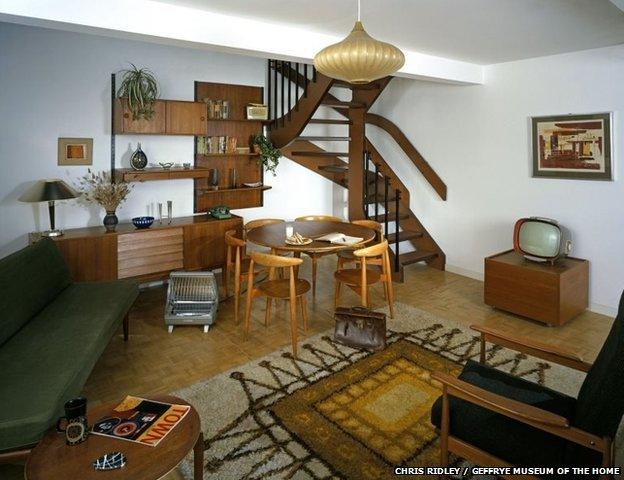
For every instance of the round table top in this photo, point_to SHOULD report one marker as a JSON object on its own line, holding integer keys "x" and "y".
{"x": 53, "y": 459}
{"x": 274, "y": 235}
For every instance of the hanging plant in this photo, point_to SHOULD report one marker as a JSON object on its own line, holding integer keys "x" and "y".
{"x": 140, "y": 90}
{"x": 269, "y": 155}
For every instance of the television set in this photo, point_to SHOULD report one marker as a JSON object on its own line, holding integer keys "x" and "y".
{"x": 541, "y": 239}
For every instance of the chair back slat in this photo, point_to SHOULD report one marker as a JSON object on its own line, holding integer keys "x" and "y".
{"x": 373, "y": 225}
{"x": 232, "y": 241}
{"x": 274, "y": 261}
{"x": 372, "y": 251}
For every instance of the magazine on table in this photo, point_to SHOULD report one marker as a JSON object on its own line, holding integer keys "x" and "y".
{"x": 141, "y": 420}
{"x": 340, "y": 239}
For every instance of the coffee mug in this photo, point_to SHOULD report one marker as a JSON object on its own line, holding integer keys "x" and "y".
{"x": 76, "y": 429}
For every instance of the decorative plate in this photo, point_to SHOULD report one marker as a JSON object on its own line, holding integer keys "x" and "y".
{"x": 306, "y": 241}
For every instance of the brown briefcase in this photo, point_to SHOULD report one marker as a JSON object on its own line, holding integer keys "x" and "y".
{"x": 359, "y": 327}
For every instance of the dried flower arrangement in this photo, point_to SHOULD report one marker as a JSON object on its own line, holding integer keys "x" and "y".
{"x": 98, "y": 188}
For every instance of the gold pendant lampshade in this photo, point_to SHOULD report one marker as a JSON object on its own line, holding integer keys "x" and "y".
{"x": 359, "y": 58}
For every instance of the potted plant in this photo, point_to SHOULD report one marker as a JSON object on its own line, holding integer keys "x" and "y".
{"x": 98, "y": 188}
{"x": 140, "y": 90}
{"x": 269, "y": 154}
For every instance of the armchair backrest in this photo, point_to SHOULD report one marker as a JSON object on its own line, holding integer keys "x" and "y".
{"x": 600, "y": 403}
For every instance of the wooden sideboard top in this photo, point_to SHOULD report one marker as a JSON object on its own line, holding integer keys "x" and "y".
{"x": 511, "y": 257}
{"x": 124, "y": 228}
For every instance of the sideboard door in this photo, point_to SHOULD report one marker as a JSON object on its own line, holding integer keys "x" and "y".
{"x": 90, "y": 259}
{"x": 204, "y": 243}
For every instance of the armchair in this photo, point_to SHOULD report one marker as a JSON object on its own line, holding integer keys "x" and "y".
{"x": 495, "y": 419}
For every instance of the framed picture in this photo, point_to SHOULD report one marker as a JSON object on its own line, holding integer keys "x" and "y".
{"x": 75, "y": 151}
{"x": 572, "y": 146}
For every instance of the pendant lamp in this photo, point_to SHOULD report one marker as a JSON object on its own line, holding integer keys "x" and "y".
{"x": 359, "y": 58}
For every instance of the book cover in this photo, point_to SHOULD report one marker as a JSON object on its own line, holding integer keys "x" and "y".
{"x": 141, "y": 420}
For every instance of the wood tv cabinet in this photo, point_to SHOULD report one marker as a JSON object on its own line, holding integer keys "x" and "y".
{"x": 551, "y": 294}
{"x": 188, "y": 243}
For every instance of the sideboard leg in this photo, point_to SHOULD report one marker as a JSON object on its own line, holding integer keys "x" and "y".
{"x": 198, "y": 458}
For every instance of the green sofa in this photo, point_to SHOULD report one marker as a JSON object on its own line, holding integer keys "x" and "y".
{"x": 52, "y": 331}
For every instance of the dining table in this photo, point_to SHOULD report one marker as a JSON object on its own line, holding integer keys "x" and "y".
{"x": 274, "y": 236}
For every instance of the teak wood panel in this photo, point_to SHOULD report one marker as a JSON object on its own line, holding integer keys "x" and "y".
{"x": 546, "y": 293}
{"x": 124, "y": 123}
{"x": 144, "y": 253}
{"x": 186, "y": 118}
{"x": 90, "y": 259}
{"x": 204, "y": 245}
{"x": 239, "y": 96}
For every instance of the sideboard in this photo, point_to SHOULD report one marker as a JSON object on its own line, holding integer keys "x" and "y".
{"x": 185, "y": 243}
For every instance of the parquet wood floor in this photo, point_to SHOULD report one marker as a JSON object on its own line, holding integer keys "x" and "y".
{"x": 154, "y": 361}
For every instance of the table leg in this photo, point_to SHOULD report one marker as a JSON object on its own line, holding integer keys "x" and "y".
{"x": 198, "y": 458}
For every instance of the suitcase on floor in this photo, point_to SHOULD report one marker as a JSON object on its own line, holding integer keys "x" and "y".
{"x": 359, "y": 327}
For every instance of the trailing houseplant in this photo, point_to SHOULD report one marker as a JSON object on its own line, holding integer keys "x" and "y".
{"x": 99, "y": 188}
{"x": 140, "y": 90}
{"x": 269, "y": 154}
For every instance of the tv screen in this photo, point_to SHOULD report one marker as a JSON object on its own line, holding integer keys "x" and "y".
{"x": 539, "y": 238}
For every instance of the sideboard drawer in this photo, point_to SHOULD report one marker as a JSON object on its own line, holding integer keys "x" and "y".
{"x": 143, "y": 253}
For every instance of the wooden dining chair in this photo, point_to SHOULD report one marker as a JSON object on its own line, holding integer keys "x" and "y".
{"x": 346, "y": 256}
{"x": 291, "y": 288}
{"x": 316, "y": 255}
{"x": 237, "y": 264}
{"x": 364, "y": 277}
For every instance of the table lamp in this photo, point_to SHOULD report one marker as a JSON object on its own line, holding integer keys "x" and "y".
{"x": 49, "y": 191}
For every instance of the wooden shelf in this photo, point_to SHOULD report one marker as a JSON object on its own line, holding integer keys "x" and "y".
{"x": 238, "y": 120}
{"x": 240, "y": 189}
{"x": 251, "y": 154}
{"x": 157, "y": 173}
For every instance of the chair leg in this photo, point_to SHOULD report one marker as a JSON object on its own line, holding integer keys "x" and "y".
{"x": 248, "y": 311}
{"x": 444, "y": 430}
{"x": 293, "y": 324}
{"x": 267, "y": 313}
{"x": 390, "y": 295}
{"x": 314, "y": 276}
{"x": 304, "y": 312}
{"x": 337, "y": 293}
{"x": 237, "y": 290}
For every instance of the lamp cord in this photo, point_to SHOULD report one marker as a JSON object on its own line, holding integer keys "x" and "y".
{"x": 358, "y": 10}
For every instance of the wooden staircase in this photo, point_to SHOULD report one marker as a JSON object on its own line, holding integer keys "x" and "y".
{"x": 296, "y": 94}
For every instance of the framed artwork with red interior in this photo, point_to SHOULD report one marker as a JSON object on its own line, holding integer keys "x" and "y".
{"x": 572, "y": 146}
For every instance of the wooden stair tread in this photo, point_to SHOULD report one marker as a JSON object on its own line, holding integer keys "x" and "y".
{"x": 415, "y": 257}
{"x": 341, "y": 104}
{"x": 334, "y": 168}
{"x": 320, "y": 154}
{"x": 323, "y": 139}
{"x": 391, "y": 217}
{"x": 329, "y": 121}
{"x": 403, "y": 236}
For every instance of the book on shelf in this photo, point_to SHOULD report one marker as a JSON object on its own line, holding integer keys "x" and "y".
{"x": 141, "y": 420}
{"x": 340, "y": 239}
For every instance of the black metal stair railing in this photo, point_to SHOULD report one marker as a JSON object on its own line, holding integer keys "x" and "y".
{"x": 284, "y": 88}
{"x": 375, "y": 200}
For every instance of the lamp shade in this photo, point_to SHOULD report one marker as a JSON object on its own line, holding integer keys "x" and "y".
{"x": 48, "y": 190}
{"x": 359, "y": 58}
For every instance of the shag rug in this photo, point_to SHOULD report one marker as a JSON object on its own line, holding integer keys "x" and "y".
{"x": 340, "y": 413}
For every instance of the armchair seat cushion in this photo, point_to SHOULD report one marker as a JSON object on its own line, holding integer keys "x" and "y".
{"x": 501, "y": 436}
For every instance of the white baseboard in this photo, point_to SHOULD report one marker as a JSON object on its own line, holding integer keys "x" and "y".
{"x": 593, "y": 307}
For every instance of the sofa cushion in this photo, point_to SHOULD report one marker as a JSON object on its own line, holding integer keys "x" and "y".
{"x": 48, "y": 361}
{"x": 507, "y": 439}
{"x": 29, "y": 280}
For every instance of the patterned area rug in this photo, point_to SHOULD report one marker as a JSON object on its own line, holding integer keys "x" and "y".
{"x": 340, "y": 413}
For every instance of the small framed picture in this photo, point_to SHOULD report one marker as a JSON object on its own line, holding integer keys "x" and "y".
{"x": 572, "y": 146}
{"x": 75, "y": 151}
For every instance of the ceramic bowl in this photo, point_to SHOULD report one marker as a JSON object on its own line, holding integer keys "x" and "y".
{"x": 143, "y": 222}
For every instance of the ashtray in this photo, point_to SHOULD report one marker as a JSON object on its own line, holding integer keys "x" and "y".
{"x": 166, "y": 165}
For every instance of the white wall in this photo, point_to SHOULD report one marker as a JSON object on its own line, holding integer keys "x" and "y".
{"x": 57, "y": 84}
{"x": 477, "y": 139}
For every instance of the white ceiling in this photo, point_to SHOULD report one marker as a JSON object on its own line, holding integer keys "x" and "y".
{"x": 477, "y": 31}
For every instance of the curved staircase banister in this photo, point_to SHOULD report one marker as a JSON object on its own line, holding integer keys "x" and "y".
{"x": 414, "y": 155}
{"x": 300, "y": 114}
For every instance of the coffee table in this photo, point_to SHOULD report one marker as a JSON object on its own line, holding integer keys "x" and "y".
{"x": 52, "y": 459}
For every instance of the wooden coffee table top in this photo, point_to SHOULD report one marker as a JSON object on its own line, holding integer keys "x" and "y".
{"x": 52, "y": 459}
{"x": 274, "y": 235}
